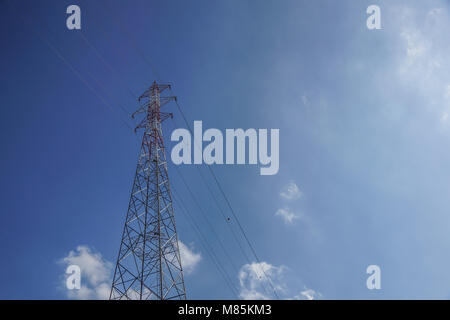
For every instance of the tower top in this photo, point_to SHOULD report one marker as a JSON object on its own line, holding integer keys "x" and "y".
{"x": 152, "y": 103}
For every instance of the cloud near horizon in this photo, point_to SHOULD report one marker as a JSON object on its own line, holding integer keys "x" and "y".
{"x": 189, "y": 258}
{"x": 95, "y": 274}
{"x": 96, "y": 271}
{"x": 257, "y": 281}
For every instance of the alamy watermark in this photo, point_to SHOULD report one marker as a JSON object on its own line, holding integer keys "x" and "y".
{"x": 236, "y": 143}
{"x": 73, "y": 280}
{"x": 373, "y": 22}
{"x": 74, "y": 20}
{"x": 374, "y": 280}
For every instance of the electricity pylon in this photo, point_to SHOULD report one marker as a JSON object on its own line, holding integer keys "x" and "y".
{"x": 149, "y": 264}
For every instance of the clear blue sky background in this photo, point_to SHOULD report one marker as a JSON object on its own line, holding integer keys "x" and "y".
{"x": 364, "y": 133}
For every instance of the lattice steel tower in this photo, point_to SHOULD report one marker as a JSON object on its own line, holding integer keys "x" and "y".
{"x": 149, "y": 264}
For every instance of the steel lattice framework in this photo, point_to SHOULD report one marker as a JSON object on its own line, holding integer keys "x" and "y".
{"x": 149, "y": 263}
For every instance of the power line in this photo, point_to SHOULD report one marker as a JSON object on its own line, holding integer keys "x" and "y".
{"x": 122, "y": 55}
{"x": 216, "y": 202}
{"x": 130, "y": 91}
{"x": 102, "y": 86}
{"x": 210, "y": 169}
{"x": 220, "y": 209}
{"x": 206, "y": 219}
{"x": 72, "y": 68}
{"x": 102, "y": 59}
{"x": 130, "y": 37}
{"x": 231, "y": 208}
{"x": 179, "y": 173}
{"x": 204, "y": 243}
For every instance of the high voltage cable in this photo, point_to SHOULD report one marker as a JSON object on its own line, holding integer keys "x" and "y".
{"x": 203, "y": 242}
{"x": 103, "y": 31}
{"x": 153, "y": 69}
{"x": 103, "y": 60}
{"x": 72, "y": 68}
{"x": 194, "y": 225}
{"x": 197, "y": 229}
{"x": 129, "y": 36}
{"x": 179, "y": 173}
{"x": 210, "y": 169}
{"x": 206, "y": 219}
{"x": 101, "y": 85}
{"x": 219, "y": 207}
{"x": 131, "y": 92}
{"x": 231, "y": 208}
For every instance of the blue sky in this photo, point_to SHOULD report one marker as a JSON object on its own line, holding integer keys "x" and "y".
{"x": 364, "y": 129}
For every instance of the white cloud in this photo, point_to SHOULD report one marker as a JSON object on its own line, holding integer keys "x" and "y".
{"x": 189, "y": 259}
{"x": 254, "y": 280}
{"x": 308, "y": 294}
{"x": 291, "y": 191}
{"x": 423, "y": 67}
{"x": 96, "y": 271}
{"x": 255, "y": 284}
{"x": 287, "y": 214}
{"x": 95, "y": 274}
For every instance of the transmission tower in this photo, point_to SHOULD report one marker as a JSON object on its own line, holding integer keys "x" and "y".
{"x": 149, "y": 265}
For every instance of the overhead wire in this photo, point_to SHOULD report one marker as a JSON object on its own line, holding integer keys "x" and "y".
{"x": 231, "y": 209}
{"x": 203, "y": 242}
{"x": 206, "y": 218}
{"x": 216, "y": 202}
{"x": 129, "y": 36}
{"x": 101, "y": 98}
{"x": 153, "y": 69}
{"x": 103, "y": 60}
{"x": 210, "y": 169}
{"x": 70, "y": 66}
{"x": 179, "y": 173}
{"x": 119, "y": 51}
{"x": 78, "y": 74}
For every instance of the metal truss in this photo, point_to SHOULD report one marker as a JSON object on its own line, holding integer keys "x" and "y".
{"x": 149, "y": 264}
